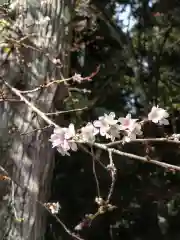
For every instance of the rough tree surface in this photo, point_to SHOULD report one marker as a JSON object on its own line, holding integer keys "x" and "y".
{"x": 29, "y": 157}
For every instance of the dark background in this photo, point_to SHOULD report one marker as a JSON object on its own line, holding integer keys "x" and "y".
{"x": 138, "y": 69}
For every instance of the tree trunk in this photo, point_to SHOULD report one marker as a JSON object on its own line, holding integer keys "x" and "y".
{"x": 25, "y": 153}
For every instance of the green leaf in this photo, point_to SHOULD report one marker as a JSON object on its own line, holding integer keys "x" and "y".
{"x": 4, "y": 23}
{"x": 6, "y": 49}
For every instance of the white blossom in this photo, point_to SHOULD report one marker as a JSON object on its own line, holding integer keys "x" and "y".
{"x": 158, "y": 115}
{"x": 105, "y": 123}
{"x": 77, "y": 78}
{"x": 79, "y": 227}
{"x": 131, "y": 128}
{"x": 133, "y": 132}
{"x": 70, "y": 131}
{"x": 99, "y": 201}
{"x": 127, "y": 123}
{"x": 53, "y": 207}
{"x": 113, "y": 132}
{"x": 88, "y": 133}
{"x": 62, "y": 139}
{"x": 176, "y": 137}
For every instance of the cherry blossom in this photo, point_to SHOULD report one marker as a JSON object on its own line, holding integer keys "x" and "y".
{"x": 127, "y": 123}
{"x": 99, "y": 201}
{"x": 158, "y": 115}
{"x": 86, "y": 222}
{"x": 113, "y": 132}
{"x": 132, "y": 133}
{"x": 88, "y": 133}
{"x": 77, "y": 78}
{"x": 176, "y": 137}
{"x": 70, "y": 131}
{"x": 62, "y": 139}
{"x": 105, "y": 123}
{"x": 53, "y": 207}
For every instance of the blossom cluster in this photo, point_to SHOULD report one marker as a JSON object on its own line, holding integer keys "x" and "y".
{"x": 53, "y": 207}
{"x": 65, "y": 139}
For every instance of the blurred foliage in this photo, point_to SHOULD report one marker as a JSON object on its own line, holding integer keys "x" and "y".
{"x": 139, "y": 67}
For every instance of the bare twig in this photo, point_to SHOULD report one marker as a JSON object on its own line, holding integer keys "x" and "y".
{"x": 84, "y": 90}
{"x": 66, "y": 111}
{"x": 35, "y": 130}
{"x": 94, "y": 172}
{"x": 10, "y": 100}
{"x": 166, "y": 140}
{"x": 62, "y": 224}
{"x": 45, "y": 86}
{"x": 20, "y": 43}
{"x": 35, "y": 109}
{"x": 112, "y": 169}
{"x": 4, "y": 171}
{"x": 95, "y": 157}
{"x": 63, "y": 80}
{"x": 136, "y": 157}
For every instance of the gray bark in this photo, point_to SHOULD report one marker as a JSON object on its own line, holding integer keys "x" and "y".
{"x": 29, "y": 158}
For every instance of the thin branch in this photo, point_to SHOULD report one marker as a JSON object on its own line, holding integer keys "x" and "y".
{"x": 112, "y": 170}
{"x": 35, "y": 130}
{"x": 84, "y": 90}
{"x": 66, "y": 111}
{"x": 4, "y": 171}
{"x": 95, "y": 157}
{"x": 63, "y": 80}
{"x": 35, "y": 109}
{"x": 94, "y": 172}
{"x": 166, "y": 140}
{"x": 20, "y": 43}
{"x": 45, "y": 86}
{"x": 62, "y": 224}
{"x": 9, "y": 100}
{"x": 13, "y": 201}
{"x": 136, "y": 157}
